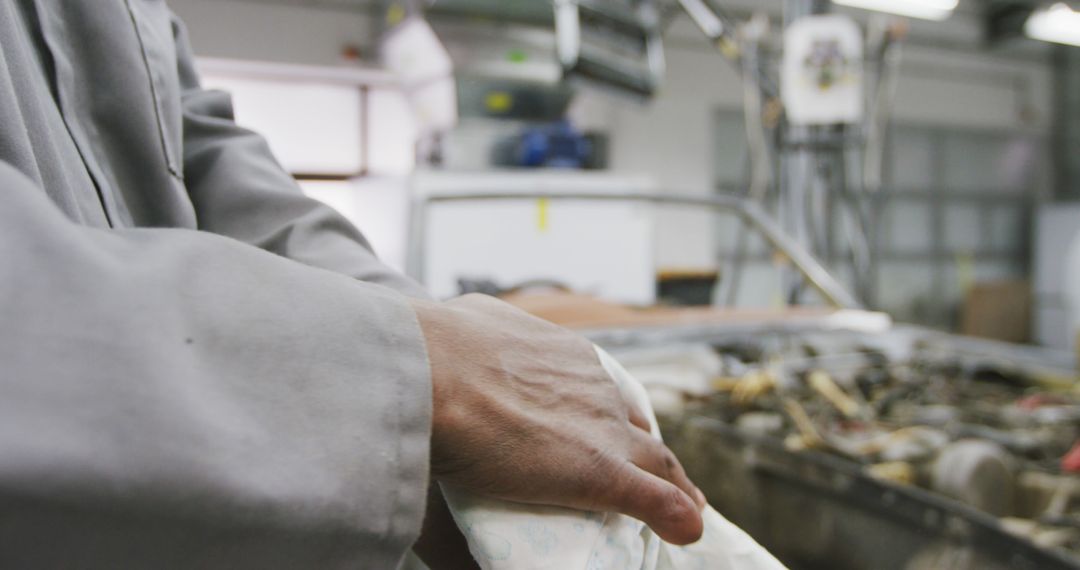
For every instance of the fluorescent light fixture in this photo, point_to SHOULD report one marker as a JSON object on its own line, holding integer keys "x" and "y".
{"x": 1058, "y": 23}
{"x": 923, "y": 9}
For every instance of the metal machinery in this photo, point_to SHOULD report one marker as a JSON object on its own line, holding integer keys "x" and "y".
{"x": 612, "y": 44}
{"x": 629, "y": 56}
{"x": 817, "y": 127}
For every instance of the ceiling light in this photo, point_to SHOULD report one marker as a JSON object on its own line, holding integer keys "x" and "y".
{"x": 1058, "y": 23}
{"x": 923, "y": 9}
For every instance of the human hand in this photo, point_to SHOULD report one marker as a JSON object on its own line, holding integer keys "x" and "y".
{"x": 524, "y": 412}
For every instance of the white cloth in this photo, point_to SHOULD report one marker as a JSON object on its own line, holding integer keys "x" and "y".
{"x": 510, "y": 536}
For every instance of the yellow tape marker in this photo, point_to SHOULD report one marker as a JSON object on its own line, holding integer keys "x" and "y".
{"x": 395, "y": 14}
{"x": 498, "y": 101}
{"x": 543, "y": 214}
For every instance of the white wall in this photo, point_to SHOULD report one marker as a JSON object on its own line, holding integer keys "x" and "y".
{"x": 273, "y": 32}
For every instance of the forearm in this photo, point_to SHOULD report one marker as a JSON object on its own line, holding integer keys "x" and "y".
{"x": 164, "y": 379}
{"x": 239, "y": 190}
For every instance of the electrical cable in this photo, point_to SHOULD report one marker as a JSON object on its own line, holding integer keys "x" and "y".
{"x": 886, "y": 41}
{"x": 760, "y": 160}
{"x": 881, "y": 112}
{"x": 761, "y": 163}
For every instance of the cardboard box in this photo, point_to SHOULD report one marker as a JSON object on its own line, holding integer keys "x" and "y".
{"x": 999, "y": 310}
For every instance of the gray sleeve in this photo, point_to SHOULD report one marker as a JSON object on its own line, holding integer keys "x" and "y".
{"x": 239, "y": 190}
{"x": 175, "y": 399}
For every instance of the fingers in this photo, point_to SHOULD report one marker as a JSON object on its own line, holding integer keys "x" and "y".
{"x": 638, "y": 418}
{"x": 668, "y": 511}
{"x": 653, "y": 456}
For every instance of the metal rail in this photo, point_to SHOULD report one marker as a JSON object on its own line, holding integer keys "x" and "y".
{"x": 815, "y": 274}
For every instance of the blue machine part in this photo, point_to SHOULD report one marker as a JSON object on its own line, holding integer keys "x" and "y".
{"x": 558, "y": 145}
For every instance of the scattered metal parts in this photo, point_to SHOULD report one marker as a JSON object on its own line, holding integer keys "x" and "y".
{"x": 824, "y": 385}
{"x": 808, "y": 437}
{"x": 978, "y": 435}
{"x": 899, "y": 472}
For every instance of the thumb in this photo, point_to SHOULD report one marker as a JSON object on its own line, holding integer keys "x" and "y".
{"x": 672, "y": 514}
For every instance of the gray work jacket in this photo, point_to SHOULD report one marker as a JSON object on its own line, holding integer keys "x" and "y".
{"x": 199, "y": 367}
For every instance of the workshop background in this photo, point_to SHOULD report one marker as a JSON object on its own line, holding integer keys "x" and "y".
{"x": 837, "y": 242}
{"x": 980, "y": 165}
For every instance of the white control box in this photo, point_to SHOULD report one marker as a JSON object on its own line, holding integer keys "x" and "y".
{"x": 822, "y": 76}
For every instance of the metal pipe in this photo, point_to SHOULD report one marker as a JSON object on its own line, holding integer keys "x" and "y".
{"x": 812, "y": 270}
{"x": 705, "y": 18}
{"x": 799, "y": 154}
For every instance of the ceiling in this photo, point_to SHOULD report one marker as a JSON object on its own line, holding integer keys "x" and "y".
{"x": 965, "y": 30}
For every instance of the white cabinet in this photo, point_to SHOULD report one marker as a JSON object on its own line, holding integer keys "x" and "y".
{"x": 604, "y": 248}
{"x": 1058, "y": 226}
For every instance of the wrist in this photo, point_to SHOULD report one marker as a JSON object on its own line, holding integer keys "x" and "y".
{"x": 437, "y": 323}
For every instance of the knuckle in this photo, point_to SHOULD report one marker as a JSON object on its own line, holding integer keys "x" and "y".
{"x": 659, "y": 450}
{"x": 670, "y": 461}
{"x": 601, "y": 478}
